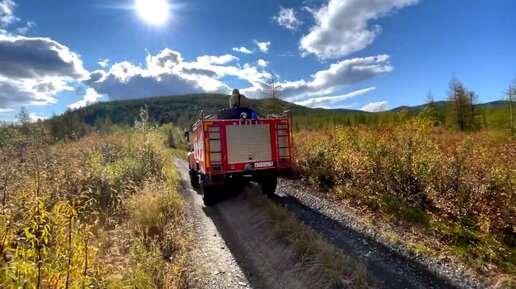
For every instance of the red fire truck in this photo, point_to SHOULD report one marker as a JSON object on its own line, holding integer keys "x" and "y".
{"x": 236, "y": 147}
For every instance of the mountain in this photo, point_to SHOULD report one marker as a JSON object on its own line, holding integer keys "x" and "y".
{"x": 183, "y": 110}
{"x": 174, "y": 108}
{"x": 442, "y": 105}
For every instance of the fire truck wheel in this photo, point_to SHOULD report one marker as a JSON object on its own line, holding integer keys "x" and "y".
{"x": 208, "y": 195}
{"x": 194, "y": 179}
{"x": 269, "y": 186}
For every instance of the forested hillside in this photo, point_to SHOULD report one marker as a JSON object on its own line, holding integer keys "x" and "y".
{"x": 183, "y": 110}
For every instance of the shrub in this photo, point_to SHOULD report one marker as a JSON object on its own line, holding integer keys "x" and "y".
{"x": 57, "y": 200}
{"x": 422, "y": 174}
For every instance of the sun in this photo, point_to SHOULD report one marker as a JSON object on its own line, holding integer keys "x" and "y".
{"x": 154, "y": 12}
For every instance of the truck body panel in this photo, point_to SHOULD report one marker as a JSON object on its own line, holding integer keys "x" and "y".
{"x": 248, "y": 142}
{"x": 232, "y": 149}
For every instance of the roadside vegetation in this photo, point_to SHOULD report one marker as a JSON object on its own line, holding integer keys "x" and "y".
{"x": 455, "y": 190}
{"x": 101, "y": 211}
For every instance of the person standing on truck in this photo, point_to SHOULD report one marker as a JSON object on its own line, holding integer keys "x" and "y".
{"x": 234, "y": 99}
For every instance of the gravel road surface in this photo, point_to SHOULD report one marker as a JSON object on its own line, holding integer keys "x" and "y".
{"x": 233, "y": 248}
{"x": 392, "y": 265}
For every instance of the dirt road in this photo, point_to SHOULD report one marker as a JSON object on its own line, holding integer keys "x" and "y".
{"x": 233, "y": 247}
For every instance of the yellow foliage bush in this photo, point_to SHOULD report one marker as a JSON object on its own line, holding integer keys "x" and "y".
{"x": 58, "y": 199}
{"x": 425, "y": 175}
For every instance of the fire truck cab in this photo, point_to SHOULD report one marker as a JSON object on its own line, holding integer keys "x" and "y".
{"x": 237, "y": 146}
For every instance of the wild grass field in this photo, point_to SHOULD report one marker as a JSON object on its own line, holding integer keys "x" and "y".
{"x": 102, "y": 211}
{"x": 455, "y": 189}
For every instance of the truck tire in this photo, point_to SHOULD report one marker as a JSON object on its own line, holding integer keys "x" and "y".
{"x": 209, "y": 195}
{"x": 194, "y": 178}
{"x": 269, "y": 185}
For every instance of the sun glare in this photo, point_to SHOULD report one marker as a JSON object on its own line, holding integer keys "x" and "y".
{"x": 154, "y": 12}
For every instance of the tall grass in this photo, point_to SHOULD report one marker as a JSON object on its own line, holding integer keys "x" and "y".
{"x": 460, "y": 187}
{"x": 64, "y": 204}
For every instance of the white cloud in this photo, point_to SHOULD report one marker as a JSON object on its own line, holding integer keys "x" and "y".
{"x": 103, "y": 63}
{"x": 7, "y": 19}
{"x": 262, "y": 63}
{"x": 34, "y": 70}
{"x": 242, "y": 49}
{"x": 24, "y": 29}
{"x": 227, "y": 58}
{"x": 167, "y": 73}
{"x": 90, "y": 97}
{"x": 6, "y": 110}
{"x": 263, "y": 46}
{"x": 342, "y": 27}
{"x": 15, "y": 92}
{"x": 337, "y": 76}
{"x": 33, "y": 117}
{"x": 327, "y": 101}
{"x": 7, "y": 13}
{"x": 30, "y": 57}
{"x": 375, "y": 106}
{"x": 286, "y": 18}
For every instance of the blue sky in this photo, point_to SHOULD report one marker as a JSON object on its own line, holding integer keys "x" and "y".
{"x": 360, "y": 54}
